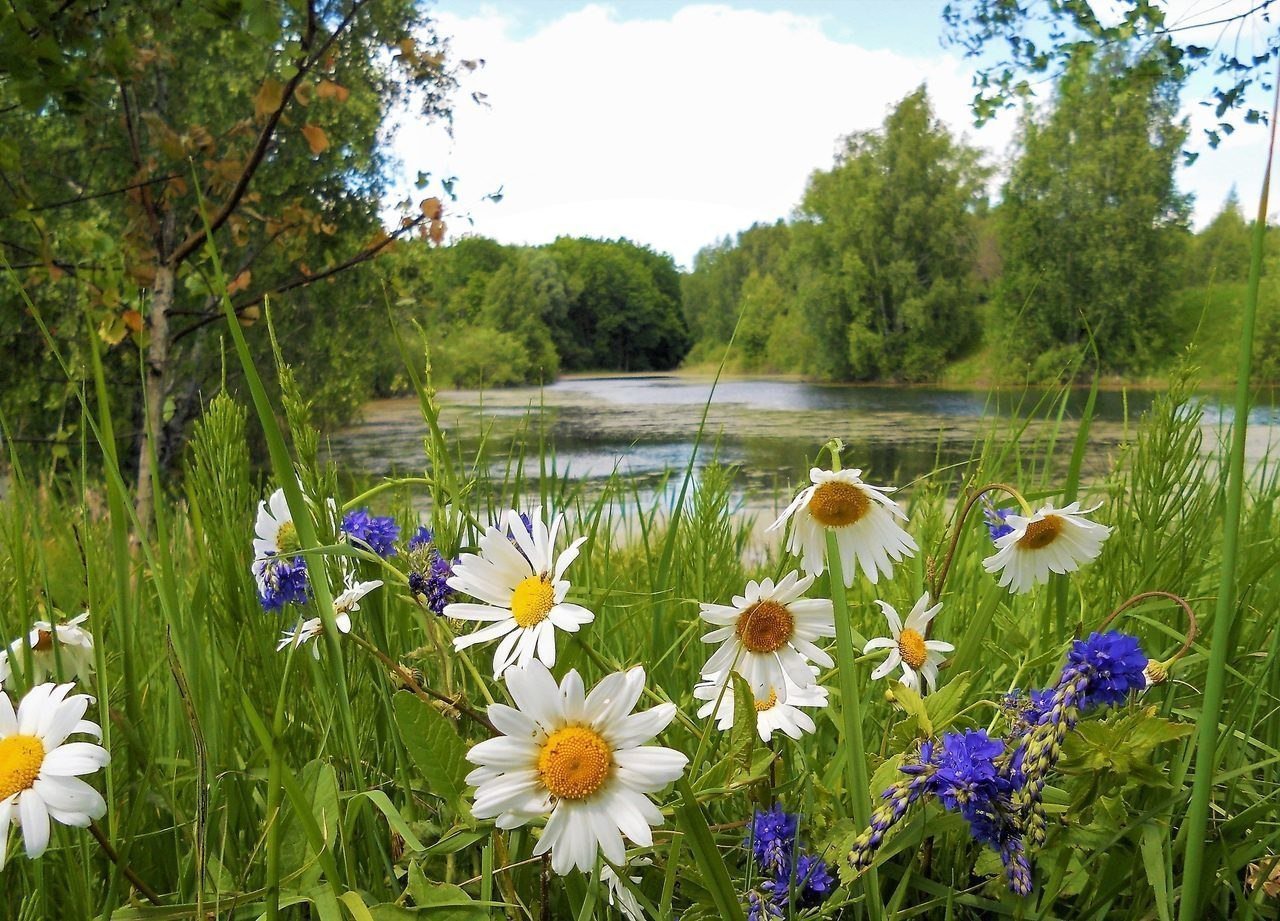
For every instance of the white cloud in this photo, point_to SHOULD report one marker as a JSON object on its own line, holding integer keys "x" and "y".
{"x": 676, "y": 132}
{"x": 671, "y": 132}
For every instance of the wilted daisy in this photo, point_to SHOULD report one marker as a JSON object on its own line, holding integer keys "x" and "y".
{"x": 1051, "y": 540}
{"x": 67, "y": 645}
{"x": 908, "y": 646}
{"x": 579, "y": 759}
{"x": 768, "y": 633}
{"x": 774, "y": 712}
{"x": 275, "y": 534}
{"x": 522, "y": 586}
{"x": 343, "y": 605}
{"x": 862, "y": 517}
{"x": 620, "y": 896}
{"x": 40, "y": 769}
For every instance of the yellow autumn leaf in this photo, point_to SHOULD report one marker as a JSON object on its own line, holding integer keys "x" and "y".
{"x": 327, "y": 89}
{"x": 316, "y": 138}
{"x": 268, "y": 99}
{"x": 240, "y": 282}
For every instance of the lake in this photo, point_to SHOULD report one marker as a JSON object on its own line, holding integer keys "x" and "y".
{"x": 644, "y": 425}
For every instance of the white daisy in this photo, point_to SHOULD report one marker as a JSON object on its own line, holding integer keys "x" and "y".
{"x": 67, "y": 645}
{"x": 275, "y": 535}
{"x": 620, "y": 896}
{"x": 768, "y": 633}
{"x": 577, "y": 758}
{"x": 862, "y": 517}
{"x": 908, "y": 647}
{"x": 1051, "y": 540}
{"x": 5, "y": 671}
{"x": 39, "y": 769}
{"x": 774, "y": 712}
{"x": 522, "y": 586}
{"x": 343, "y": 605}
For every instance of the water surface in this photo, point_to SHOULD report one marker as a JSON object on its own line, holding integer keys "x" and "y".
{"x": 646, "y": 425}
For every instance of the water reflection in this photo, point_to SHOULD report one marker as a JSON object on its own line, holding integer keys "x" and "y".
{"x": 645, "y": 425}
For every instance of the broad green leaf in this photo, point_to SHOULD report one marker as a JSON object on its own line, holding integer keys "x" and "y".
{"x": 433, "y": 744}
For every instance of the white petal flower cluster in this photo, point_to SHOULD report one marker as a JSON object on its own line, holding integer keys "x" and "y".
{"x": 769, "y": 636}
{"x": 579, "y": 759}
{"x": 40, "y": 770}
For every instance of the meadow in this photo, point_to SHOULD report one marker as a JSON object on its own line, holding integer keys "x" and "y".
{"x": 251, "y": 778}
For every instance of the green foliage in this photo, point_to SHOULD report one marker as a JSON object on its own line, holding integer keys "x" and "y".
{"x": 875, "y": 278}
{"x": 1089, "y": 218}
{"x": 1019, "y": 43}
{"x": 120, "y": 125}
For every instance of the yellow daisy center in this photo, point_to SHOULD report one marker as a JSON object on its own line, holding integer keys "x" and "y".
{"x": 835, "y": 504}
{"x": 20, "y": 761}
{"x": 766, "y": 626}
{"x": 532, "y": 601}
{"x": 574, "y": 762}
{"x": 911, "y": 647}
{"x": 287, "y": 538}
{"x": 1041, "y": 533}
{"x": 768, "y": 703}
{"x": 44, "y": 643}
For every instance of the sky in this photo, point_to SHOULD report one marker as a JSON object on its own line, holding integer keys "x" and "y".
{"x": 678, "y": 124}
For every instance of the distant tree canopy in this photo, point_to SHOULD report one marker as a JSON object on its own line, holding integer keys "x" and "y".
{"x": 875, "y": 277}
{"x": 1090, "y": 217}
{"x": 495, "y": 315}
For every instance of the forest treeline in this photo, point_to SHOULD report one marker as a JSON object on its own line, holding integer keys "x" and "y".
{"x": 150, "y": 169}
{"x": 897, "y": 266}
{"x": 490, "y": 315}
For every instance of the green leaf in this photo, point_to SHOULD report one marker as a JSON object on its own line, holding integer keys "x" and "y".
{"x": 433, "y": 744}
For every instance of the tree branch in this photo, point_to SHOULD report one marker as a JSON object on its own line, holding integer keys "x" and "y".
{"x": 304, "y": 66}
{"x": 302, "y": 281}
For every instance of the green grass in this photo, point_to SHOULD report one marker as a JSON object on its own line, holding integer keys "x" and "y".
{"x": 243, "y": 778}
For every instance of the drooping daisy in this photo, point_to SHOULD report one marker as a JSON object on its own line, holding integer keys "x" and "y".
{"x": 775, "y": 712}
{"x": 343, "y": 605}
{"x": 768, "y": 633}
{"x": 579, "y": 759}
{"x": 64, "y": 650}
{"x": 908, "y": 646}
{"x": 862, "y": 517}
{"x": 274, "y": 530}
{"x": 620, "y": 896}
{"x": 521, "y": 585}
{"x": 1051, "y": 540}
{"x": 40, "y": 769}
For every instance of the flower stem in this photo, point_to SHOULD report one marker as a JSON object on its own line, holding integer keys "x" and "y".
{"x": 422, "y": 691}
{"x": 851, "y": 710}
{"x": 940, "y": 580}
{"x": 1206, "y": 743}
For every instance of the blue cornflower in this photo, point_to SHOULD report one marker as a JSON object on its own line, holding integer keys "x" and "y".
{"x": 773, "y": 839}
{"x": 1116, "y": 665}
{"x": 421, "y": 538}
{"x": 967, "y": 778}
{"x": 283, "y": 582}
{"x": 433, "y": 582}
{"x": 997, "y": 521}
{"x": 813, "y": 880}
{"x": 379, "y": 534}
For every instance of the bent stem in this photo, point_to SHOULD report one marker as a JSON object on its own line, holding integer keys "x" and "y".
{"x": 1193, "y": 623}
{"x": 1206, "y": 742}
{"x": 425, "y": 693}
{"x": 940, "y": 581}
{"x": 850, "y": 703}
